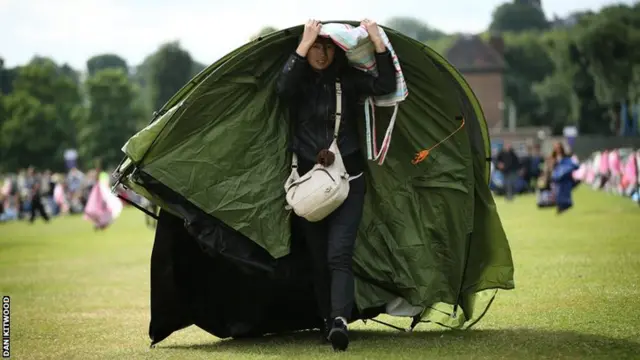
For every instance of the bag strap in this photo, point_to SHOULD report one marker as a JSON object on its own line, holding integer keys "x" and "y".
{"x": 294, "y": 157}
{"x": 338, "y": 109}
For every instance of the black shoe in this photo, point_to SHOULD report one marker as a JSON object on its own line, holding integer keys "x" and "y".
{"x": 338, "y": 335}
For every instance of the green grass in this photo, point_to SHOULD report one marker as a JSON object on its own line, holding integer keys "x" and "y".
{"x": 80, "y": 294}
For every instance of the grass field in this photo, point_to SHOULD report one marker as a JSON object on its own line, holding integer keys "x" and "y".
{"x": 80, "y": 294}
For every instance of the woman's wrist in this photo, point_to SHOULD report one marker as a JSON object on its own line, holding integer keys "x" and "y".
{"x": 303, "y": 48}
{"x": 379, "y": 46}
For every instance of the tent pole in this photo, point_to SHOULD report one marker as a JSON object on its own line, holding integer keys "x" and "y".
{"x": 389, "y": 325}
{"x": 138, "y": 207}
{"x": 416, "y": 320}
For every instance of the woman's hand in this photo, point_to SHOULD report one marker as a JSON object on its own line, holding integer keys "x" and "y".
{"x": 311, "y": 31}
{"x": 374, "y": 35}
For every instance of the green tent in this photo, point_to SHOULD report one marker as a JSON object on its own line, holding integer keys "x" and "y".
{"x": 431, "y": 246}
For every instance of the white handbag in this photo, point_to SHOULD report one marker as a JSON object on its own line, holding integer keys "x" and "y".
{"x": 323, "y": 189}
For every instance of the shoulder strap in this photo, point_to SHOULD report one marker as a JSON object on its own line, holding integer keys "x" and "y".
{"x": 338, "y": 108}
{"x": 292, "y": 130}
{"x": 294, "y": 157}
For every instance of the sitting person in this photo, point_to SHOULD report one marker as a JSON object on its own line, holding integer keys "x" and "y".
{"x": 307, "y": 85}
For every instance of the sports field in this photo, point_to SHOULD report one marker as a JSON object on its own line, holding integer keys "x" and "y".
{"x": 80, "y": 294}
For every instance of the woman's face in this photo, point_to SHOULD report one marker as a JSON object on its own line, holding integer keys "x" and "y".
{"x": 557, "y": 147}
{"x": 321, "y": 55}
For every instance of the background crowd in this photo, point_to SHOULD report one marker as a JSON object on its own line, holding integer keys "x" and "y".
{"x": 31, "y": 193}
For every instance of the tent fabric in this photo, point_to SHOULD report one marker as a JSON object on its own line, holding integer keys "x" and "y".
{"x": 430, "y": 237}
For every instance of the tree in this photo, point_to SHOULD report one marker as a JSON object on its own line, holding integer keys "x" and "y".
{"x": 106, "y": 61}
{"x": 570, "y": 74}
{"x": 39, "y": 116}
{"x": 5, "y": 88}
{"x": 67, "y": 70}
{"x": 170, "y": 69}
{"x": 527, "y": 63}
{"x": 141, "y": 76}
{"x": 6, "y": 78}
{"x": 607, "y": 47}
{"x": 611, "y": 42}
{"x": 112, "y": 117}
{"x": 48, "y": 83}
{"x": 414, "y": 28}
{"x": 28, "y": 135}
{"x": 517, "y": 17}
{"x": 555, "y": 98}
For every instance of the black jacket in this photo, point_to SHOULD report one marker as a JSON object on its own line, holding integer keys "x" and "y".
{"x": 510, "y": 161}
{"x": 310, "y": 96}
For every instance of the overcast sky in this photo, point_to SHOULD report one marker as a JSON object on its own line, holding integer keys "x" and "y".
{"x": 71, "y": 31}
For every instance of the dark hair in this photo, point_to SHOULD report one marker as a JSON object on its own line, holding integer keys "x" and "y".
{"x": 340, "y": 61}
{"x": 560, "y": 147}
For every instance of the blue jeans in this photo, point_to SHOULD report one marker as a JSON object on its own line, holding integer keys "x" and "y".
{"x": 510, "y": 181}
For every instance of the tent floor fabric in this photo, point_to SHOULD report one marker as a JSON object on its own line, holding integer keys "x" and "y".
{"x": 227, "y": 300}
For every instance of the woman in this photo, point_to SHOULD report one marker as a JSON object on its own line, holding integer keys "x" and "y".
{"x": 307, "y": 85}
{"x": 562, "y": 177}
{"x": 545, "y": 188}
{"x": 102, "y": 207}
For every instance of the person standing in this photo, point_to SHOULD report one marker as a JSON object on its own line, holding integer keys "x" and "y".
{"x": 34, "y": 182}
{"x": 562, "y": 176}
{"x": 306, "y": 84}
{"x": 532, "y": 167}
{"x": 509, "y": 164}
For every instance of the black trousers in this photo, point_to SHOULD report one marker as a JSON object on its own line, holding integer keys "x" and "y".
{"x": 38, "y": 206}
{"x": 331, "y": 243}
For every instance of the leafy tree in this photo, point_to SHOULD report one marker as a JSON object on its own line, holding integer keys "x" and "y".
{"x": 5, "y": 88}
{"x": 6, "y": 78}
{"x": 527, "y": 63}
{"x": 611, "y": 41}
{"x": 28, "y": 135}
{"x": 607, "y": 45}
{"x": 571, "y": 74}
{"x": 48, "y": 83}
{"x": 517, "y": 17}
{"x": 105, "y": 61}
{"x": 170, "y": 68}
{"x": 555, "y": 99}
{"x": 112, "y": 117}
{"x": 39, "y": 116}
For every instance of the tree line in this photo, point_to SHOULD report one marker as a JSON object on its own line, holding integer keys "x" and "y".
{"x": 577, "y": 71}
{"x": 46, "y": 108}
{"x": 572, "y": 71}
